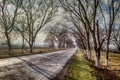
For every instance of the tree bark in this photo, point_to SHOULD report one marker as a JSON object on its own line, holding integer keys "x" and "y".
{"x": 108, "y": 42}
{"x": 23, "y": 45}
{"x": 118, "y": 48}
{"x": 107, "y": 51}
{"x": 31, "y": 48}
{"x": 8, "y": 43}
{"x": 88, "y": 46}
{"x": 97, "y": 63}
{"x": 89, "y": 54}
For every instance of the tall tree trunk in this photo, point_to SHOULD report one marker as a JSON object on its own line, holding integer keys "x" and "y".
{"x": 59, "y": 45}
{"x": 31, "y": 48}
{"x": 97, "y": 62}
{"x": 23, "y": 45}
{"x": 107, "y": 51}
{"x": 9, "y": 46}
{"x": 53, "y": 47}
{"x": 8, "y": 43}
{"x": 88, "y": 46}
{"x": 89, "y": 54}
{"x": 118, "y": 48}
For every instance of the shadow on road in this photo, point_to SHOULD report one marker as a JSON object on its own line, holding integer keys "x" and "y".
{"x": 40, "y": 70}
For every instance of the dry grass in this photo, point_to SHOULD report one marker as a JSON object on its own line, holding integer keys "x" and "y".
{"x": 17, "y": 52}
{"x": 80, "y": 69}
{"x": 84, "y": 69}
{"x": 114, "y": 62}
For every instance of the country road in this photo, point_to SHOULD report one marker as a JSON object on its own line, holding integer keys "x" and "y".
{"x": 35, "y": 67}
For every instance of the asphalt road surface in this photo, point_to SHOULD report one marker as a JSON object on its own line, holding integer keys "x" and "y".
{"x": 35, "y": 67}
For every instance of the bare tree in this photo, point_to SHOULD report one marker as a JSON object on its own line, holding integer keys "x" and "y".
{"x": 8, "y": 18}
{"x": 87, "y": 12}
{"x": 37, "y": 13}
{"x": 62, "y": 36}
{"x": 69, "y": 43}
{"x": 57, "y": 35}
{"x": 113, "y": 7}
{"x": 51, "y": 38}
{"x": 20, "y": 30}
{"x": 83, "y": 34}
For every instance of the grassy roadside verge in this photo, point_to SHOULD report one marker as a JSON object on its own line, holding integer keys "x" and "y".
{"x": 80, "y": 69}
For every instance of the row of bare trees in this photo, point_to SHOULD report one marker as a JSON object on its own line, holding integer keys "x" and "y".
{"x": 58, "y": 37}
{"x": 93, "y": 22}
{"x": 8, "y": 18}
{"x": 26, "y": 18}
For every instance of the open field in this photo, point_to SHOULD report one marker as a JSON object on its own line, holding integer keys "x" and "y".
{"x": 17, "y": 52}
